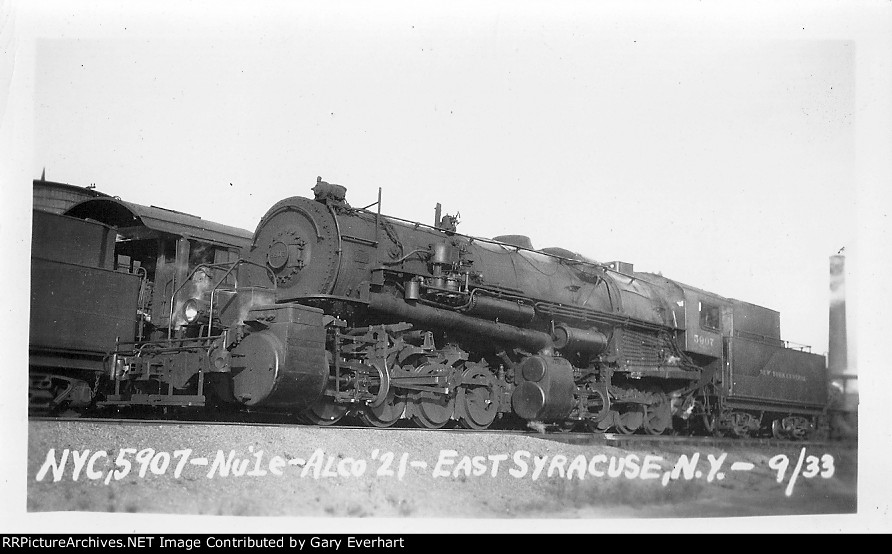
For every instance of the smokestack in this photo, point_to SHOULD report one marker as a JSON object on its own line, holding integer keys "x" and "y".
{"x": 838, "y": 351}
{"x": 842, "y": 374}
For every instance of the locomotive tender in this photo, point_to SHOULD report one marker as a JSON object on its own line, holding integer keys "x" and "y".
{"x": 337, "y": 311}
{"x": 103, "y": 270}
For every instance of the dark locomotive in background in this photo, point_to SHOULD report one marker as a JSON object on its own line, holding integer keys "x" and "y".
{"x": 328, "y": 311}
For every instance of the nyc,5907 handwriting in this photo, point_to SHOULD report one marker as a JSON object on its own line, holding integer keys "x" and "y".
{"x": 99, "y": 465}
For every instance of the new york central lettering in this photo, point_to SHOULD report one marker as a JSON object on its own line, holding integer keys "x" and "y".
{"x": 782, "y": 375}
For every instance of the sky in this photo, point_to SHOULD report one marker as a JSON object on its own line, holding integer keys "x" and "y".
{"x": 723, "y": 162}
{"x": 732, "y": 146}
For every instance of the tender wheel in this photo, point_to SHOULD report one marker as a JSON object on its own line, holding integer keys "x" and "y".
{"x": 325, "y": 412}
{"x": 658, "y": 416}
{"x": 739, "y": 426}
{"x": 477, "y": 401}
{"x": 629, "y": 420}
{"x": 791, "y": 428}
{"x": 777, "y": 430}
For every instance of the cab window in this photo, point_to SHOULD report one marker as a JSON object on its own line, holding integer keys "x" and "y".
{"x": 710, "y": 317}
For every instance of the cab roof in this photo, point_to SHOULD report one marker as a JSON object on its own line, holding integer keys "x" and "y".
{"x": 121, "y": 214}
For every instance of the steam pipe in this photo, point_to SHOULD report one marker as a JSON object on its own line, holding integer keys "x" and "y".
{"x": 591, "y": 341}
{"x": 535, "y": 341}
{"x": 482, "y": 305}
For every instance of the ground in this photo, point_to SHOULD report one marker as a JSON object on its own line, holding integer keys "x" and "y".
{"x": 367, "y": 473}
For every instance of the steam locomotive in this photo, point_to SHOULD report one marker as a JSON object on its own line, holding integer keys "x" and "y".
{"x": 335, "y": 311}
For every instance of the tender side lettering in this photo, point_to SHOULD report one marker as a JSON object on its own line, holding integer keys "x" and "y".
{"x": 782, "y": 375}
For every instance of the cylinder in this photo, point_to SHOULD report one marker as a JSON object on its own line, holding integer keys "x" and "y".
{"x": 578, "y": 340}
{"x": 544, "y": 389}
{"x": 534, "y": 368}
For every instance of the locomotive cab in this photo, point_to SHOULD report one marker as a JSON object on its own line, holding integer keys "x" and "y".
{"x": 163, "y": 247}
{"x": 166, "y": 250}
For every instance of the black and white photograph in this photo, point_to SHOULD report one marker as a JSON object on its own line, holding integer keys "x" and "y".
{"x": 395, "y": 268}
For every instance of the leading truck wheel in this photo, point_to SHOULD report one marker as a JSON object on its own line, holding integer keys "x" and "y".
{"x": 325, "y": 412}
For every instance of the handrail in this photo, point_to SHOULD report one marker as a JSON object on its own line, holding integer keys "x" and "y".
{"x": 220, "y": 282}
{"x": 231, "y": 267}
{"x": 763, "y": 339}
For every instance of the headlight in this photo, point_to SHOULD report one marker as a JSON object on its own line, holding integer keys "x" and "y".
{"x": 191, "y": 310}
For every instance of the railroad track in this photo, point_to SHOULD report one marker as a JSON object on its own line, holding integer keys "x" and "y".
{"x": 577, "y": 438}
